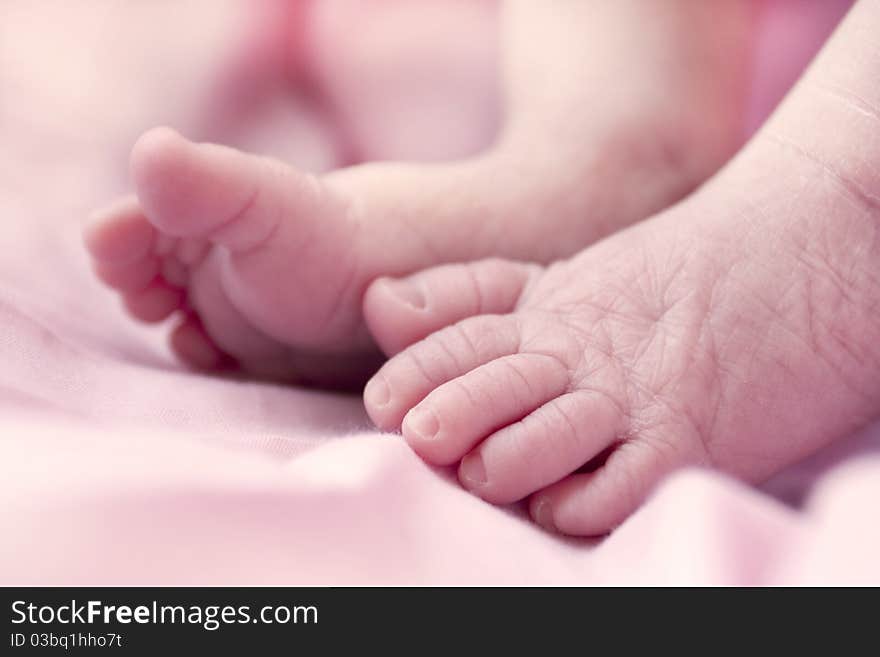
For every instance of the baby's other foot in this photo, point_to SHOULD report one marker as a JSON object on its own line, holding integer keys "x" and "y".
{"x": 255, "y": 260}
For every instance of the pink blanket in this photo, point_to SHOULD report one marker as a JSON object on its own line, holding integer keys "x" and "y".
{"x": 118, "y": 466}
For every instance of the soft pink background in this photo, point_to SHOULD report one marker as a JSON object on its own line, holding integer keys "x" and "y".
{"x": 120, "y": 467}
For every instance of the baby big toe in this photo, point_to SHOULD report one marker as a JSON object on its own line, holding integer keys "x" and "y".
{"x": 402, "y": 311}
{"x": 545, "y": 446}
{"x": 187, "y": 189}
{"x": 218, "y": 194}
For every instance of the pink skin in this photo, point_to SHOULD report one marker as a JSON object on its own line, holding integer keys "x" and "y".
{"x": 738, "y": 329}
{"x": 265, "y": 266}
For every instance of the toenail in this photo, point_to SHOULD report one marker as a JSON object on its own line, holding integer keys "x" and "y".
{"x": 377, "y": 393}
{"x": 543, "y": 515}
{"x": 408, "y": 293}
{"x": 422, "y": 422}
{"x": 472, "y": 472}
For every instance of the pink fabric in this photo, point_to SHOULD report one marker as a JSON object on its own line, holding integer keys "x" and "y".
{"x": 118, "y": 467}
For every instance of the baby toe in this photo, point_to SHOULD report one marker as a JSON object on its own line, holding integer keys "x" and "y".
{"x": 593, "y": 504}
{"x": 193, "y": 345}
{"x": 154, "y": 303}
{"x": 408, "y": 377}
{"x": 119, "y": 234}
{"x": 542, "y": 448}
{"x": 128, "y": 278}
{"x": 460, "y": 413}
{"x": 402, "y": 311}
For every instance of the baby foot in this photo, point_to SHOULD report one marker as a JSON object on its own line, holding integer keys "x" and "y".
{"x": 250, "y": 256}
{"x": 737, "y": 330}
